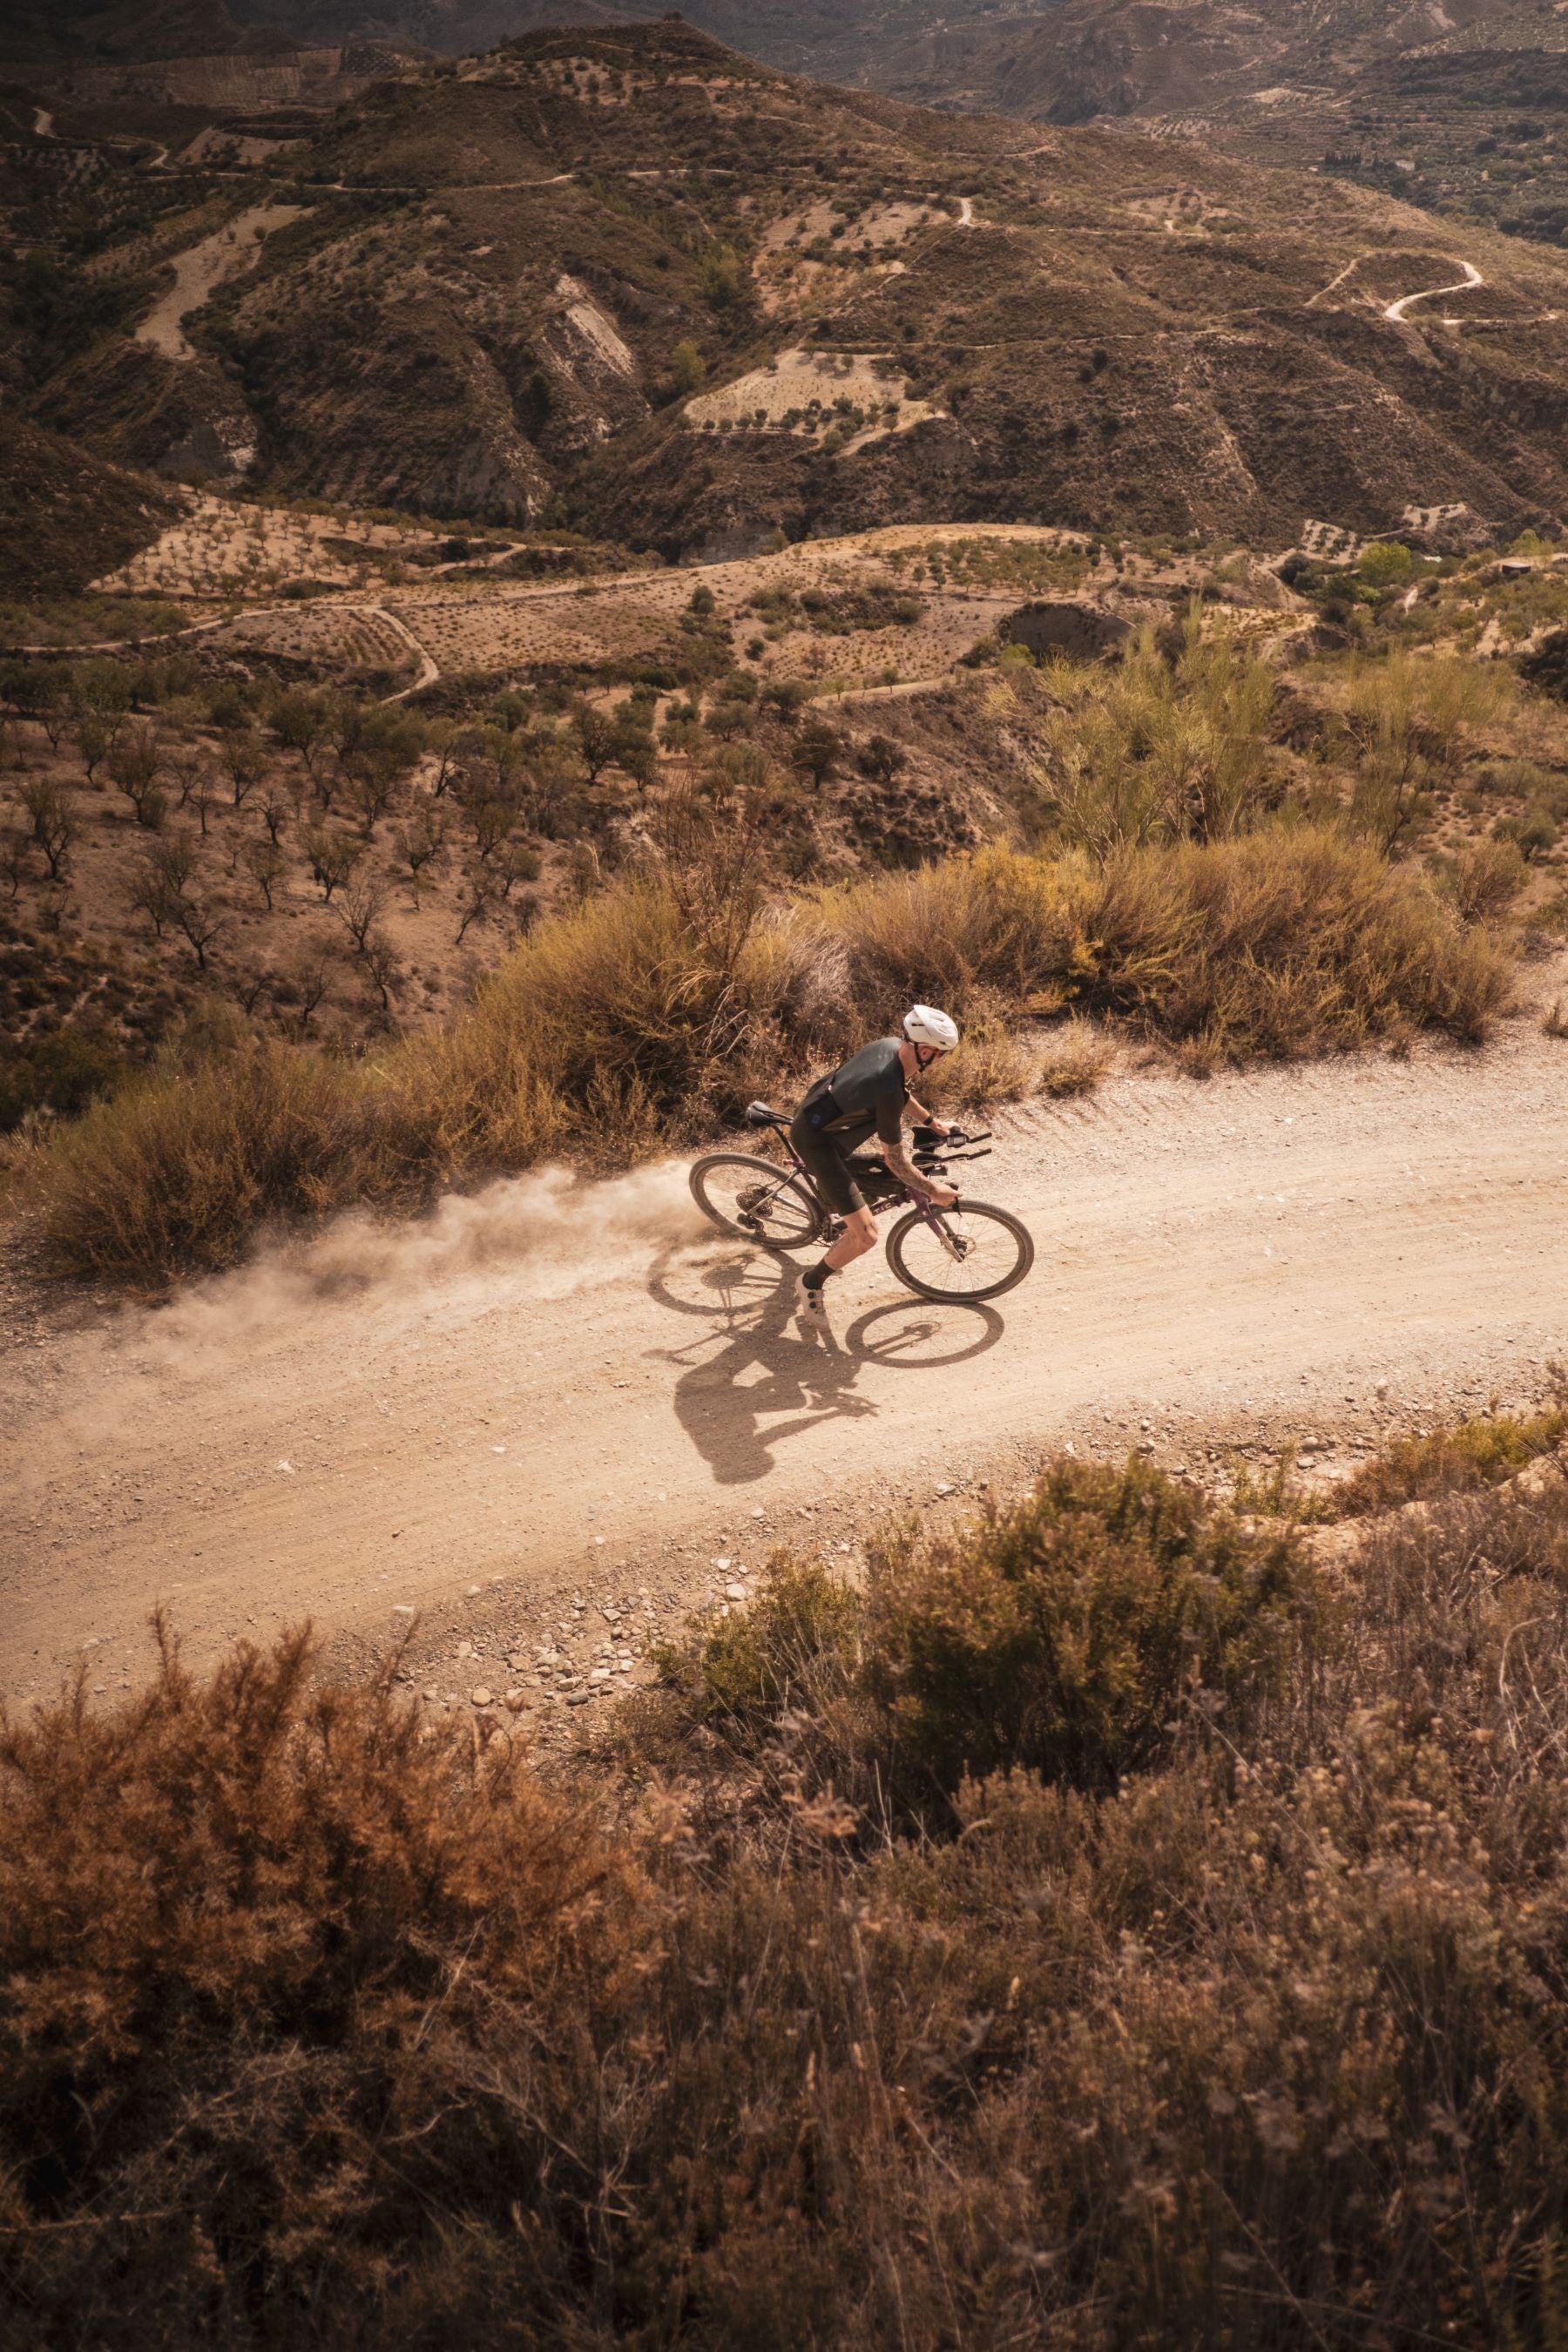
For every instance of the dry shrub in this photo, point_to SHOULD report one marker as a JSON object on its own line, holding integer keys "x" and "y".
{"x": 993, "y": 1063}
{"x": 1287, "y": 942}
{"x": 311, "y": 2034}
{"x": 1074, "y": 1061}
{"x": 276, "y": 1973}
{"x": 1485, "y": 879}
{"x": 1149, "y": 750}
{"x": 648, "y": 1016}
{"x": 179, "y": 1170}
{"x": 998, "y": 926}
{"x": 1455, "y": 1459}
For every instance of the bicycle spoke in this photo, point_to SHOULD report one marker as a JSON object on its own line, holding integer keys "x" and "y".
{"x": 964, "y": 1255}
{"x": 766, "y": 1206}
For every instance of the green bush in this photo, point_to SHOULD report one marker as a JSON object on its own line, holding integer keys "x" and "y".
{"x": 1065, "y": 1635}
{"x": 62, "y": 1072}
{"x": 798, "y": 1638}
{"x": 1455, "y": 1459}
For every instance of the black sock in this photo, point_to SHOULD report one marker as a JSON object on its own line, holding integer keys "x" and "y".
{"x": 815, "y": 1275}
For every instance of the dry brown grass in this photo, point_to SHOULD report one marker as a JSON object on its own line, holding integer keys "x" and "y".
{"x": 644, "y": 1018}
{"x": 1232, "y": 2013}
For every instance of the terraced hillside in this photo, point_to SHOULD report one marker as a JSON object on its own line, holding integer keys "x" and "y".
{"x": 634, "y": 284}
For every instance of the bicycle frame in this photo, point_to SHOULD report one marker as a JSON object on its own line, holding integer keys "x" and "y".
{"x": 921, "y": 1202}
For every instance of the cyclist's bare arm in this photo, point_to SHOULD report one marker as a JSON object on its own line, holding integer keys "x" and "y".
{"x": 904, "y": 1169}
{"x": 926, "y": 1118}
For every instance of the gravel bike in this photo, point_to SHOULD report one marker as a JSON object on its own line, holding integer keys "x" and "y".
{"x": 959, "y": 1255}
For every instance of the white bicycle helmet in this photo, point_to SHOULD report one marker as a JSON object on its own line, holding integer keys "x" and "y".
{"x": 924, "y": 1026}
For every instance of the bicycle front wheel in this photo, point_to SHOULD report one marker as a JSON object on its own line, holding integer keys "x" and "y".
{"x": 970, "y": 1253}
{"x": 757, "y": 1200}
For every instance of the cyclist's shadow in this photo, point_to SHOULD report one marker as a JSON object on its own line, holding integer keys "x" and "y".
{"x": 764, "y": 1365}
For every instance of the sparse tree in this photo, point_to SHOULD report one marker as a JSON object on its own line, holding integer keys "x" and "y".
{"x": 518, "y": 861}
{"x": 302, "y": 721}
{"x": 265, "y": 863}
{"x": 333, "y": 856}
{"x": 53, "y": 820}
{"x": 159, "y": 886}
{"x": 94, "y": 740}
{"x": 420, "y": 843}
{"x": 360, "y": 909}
{"x": 786, "y": 699}
{"x": 15, "y": 858}
{"x": 546, "y": 787}
{"x": 595, "y": 734}
{"x": 636, "y": 754}
{"x": 384, "y": 751}
{"x": 311, "y": 982}
{"x": 228, "y": 710}
{"x": 492, "y": 821}
{"x": 689, "y": 368}
{"x": 815, "y": 752}
{"x": 135, "y": 765}
{"x": 248, "y": 988}
{"x": 201, "y": 923}
{"x": 445, "y": 742}
{"x": 275, "y": 806}
{"x": 381, "y": 962}
{"x": 244, "y": 756}
{"x": 204, "y": 799}
{"x": 52, "y": 709}
{"x": 475, "y": 907}
{"x": 883, "y": 759}
{"x": 728, "y": 718}
{"x": 185, "y": 764}
{"x": 373, "y": 787}
{"x": 103, "y": 687}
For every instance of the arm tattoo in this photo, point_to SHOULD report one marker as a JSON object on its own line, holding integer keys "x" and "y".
{"x": 899, "y": 1160}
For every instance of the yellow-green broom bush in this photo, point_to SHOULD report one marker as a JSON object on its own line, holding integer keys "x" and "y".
{"x": 643, "y": 1019}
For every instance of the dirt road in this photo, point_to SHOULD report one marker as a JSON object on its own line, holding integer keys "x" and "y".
{"x": 1399, "y": 311}
{"x": 544, "y": 1380}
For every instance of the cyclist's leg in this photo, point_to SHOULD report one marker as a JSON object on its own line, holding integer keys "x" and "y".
{"x": 859, "y": 1235}
{"x": 826, "y": 1157}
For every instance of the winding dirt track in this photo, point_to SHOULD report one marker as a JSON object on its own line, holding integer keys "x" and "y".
{"x": 547, "y": 1380}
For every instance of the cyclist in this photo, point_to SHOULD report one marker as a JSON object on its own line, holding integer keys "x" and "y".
{"x": 869, "y": 1094}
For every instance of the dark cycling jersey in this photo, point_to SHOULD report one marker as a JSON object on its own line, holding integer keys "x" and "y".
{"x": 869, "y": 1091}
{"x": 866, "y": 1097}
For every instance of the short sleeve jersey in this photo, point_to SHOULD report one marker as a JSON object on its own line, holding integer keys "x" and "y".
{"x": 870, "y": 1087}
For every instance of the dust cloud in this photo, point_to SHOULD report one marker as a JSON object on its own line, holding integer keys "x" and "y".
{"x": 542, "y": 1235}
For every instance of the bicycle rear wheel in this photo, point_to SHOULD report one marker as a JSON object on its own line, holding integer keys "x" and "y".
{"x": 756, "y": 1200}
{"x": 972, "y": 1253}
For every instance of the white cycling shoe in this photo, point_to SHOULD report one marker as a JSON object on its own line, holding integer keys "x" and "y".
{"x": 811, "y": 1306}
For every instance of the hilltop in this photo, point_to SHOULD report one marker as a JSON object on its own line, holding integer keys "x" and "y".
{"x": 632, "y": 283}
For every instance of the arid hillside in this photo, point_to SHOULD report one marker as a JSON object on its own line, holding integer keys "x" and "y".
{"x": 632, "y": 284}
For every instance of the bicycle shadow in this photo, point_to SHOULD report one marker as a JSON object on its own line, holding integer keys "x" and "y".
{"x": 764, "y": 1366}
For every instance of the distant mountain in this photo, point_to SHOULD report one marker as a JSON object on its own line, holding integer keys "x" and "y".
{"x": 1087, "y": 57}
{"x": 40, "y": 32}
{"x": 851, "y": 40}
{"x": 631, "y": 282}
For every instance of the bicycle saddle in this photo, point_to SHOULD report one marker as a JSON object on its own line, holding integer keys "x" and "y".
{"x": 759, "y": 1115}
